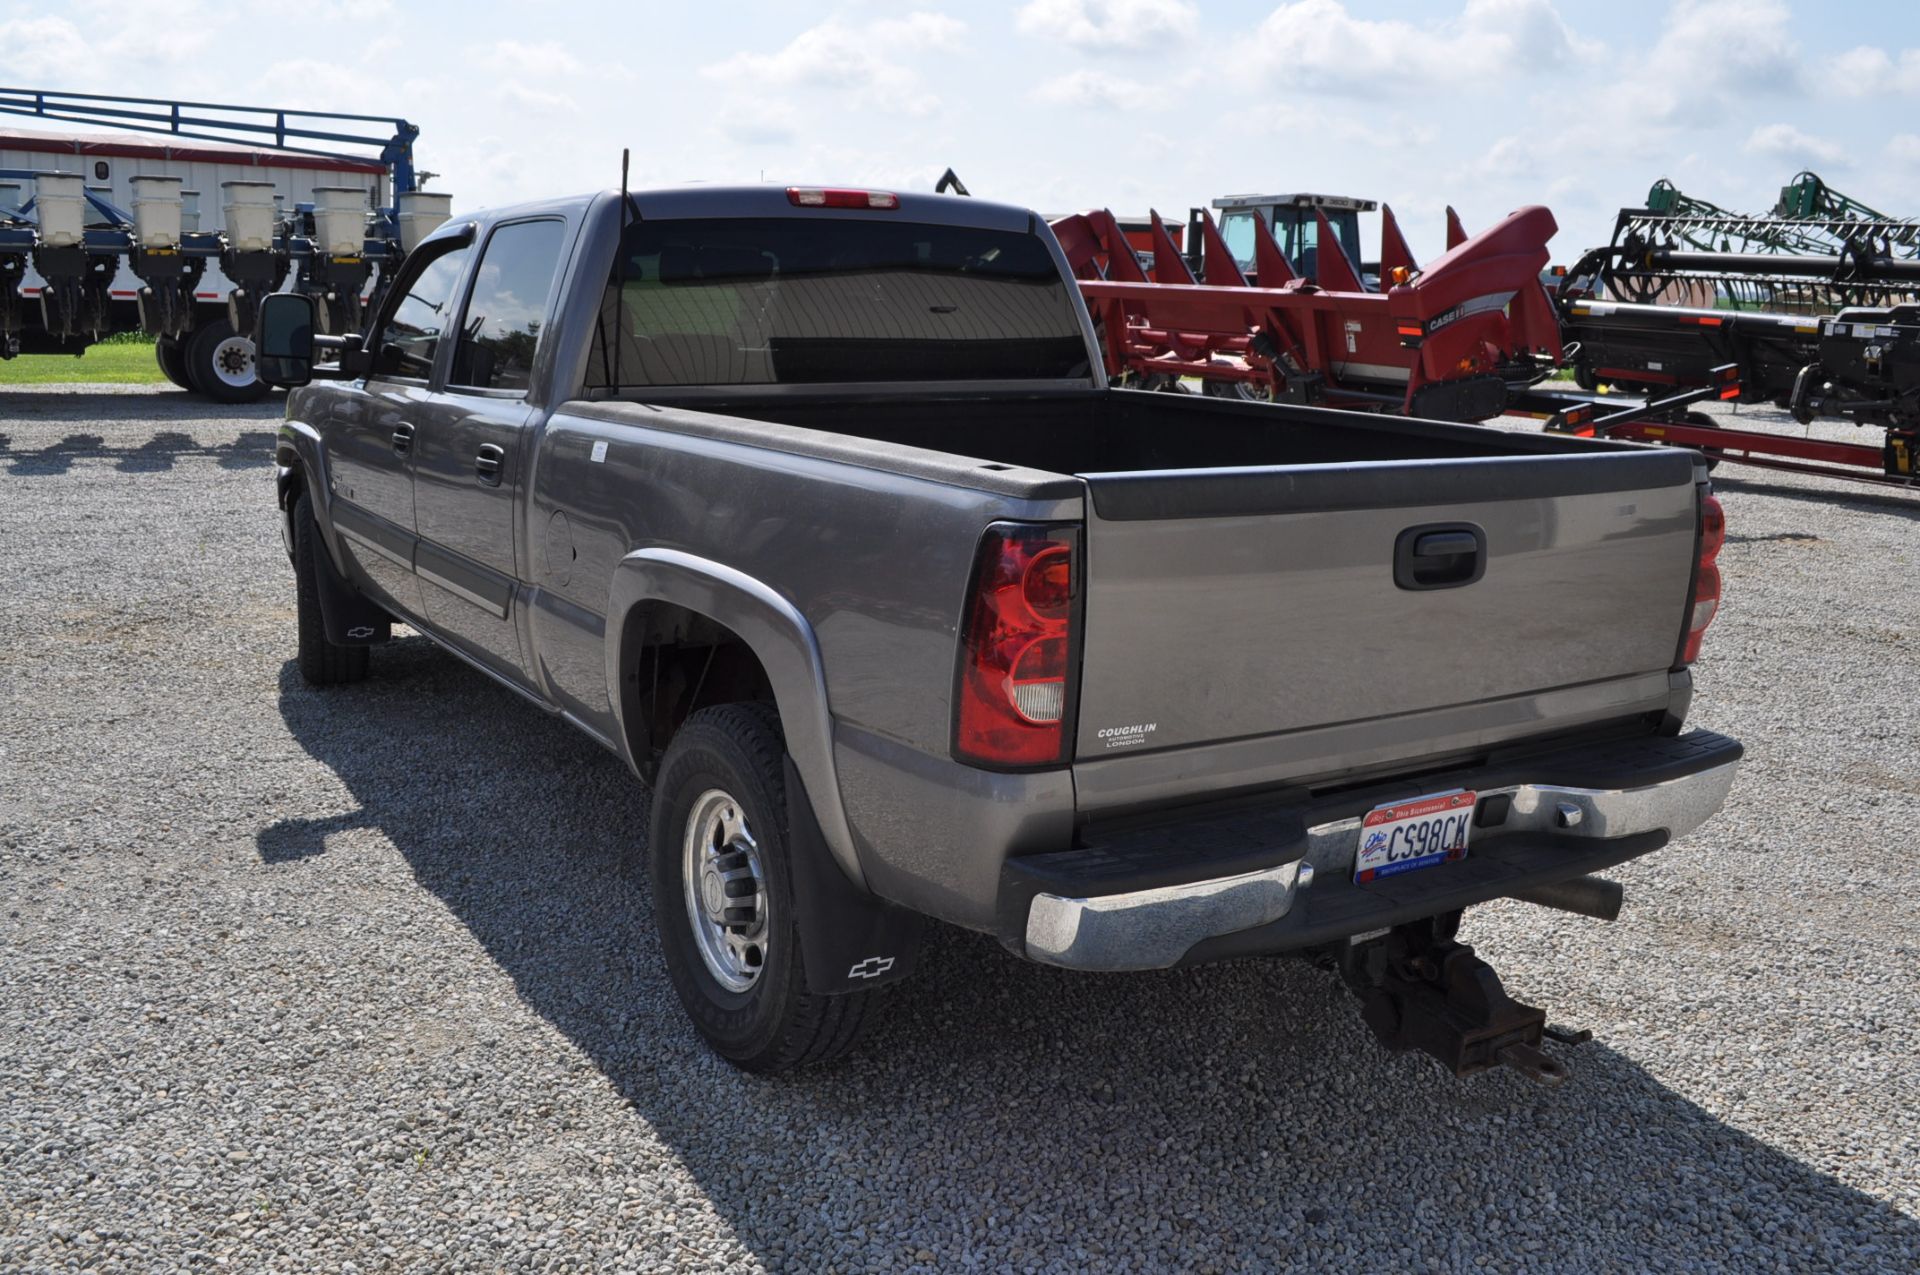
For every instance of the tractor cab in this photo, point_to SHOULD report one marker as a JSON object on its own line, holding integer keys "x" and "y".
{"x": 1296, "y": 229}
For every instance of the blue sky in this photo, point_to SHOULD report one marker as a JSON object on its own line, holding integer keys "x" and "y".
{"x": 1065, "y": 104}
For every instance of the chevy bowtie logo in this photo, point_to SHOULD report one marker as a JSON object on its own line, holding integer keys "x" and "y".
{"x": 872, "y": 967}
{"x": 360, "y": 631}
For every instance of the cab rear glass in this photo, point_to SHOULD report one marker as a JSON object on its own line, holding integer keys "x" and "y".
{"x": 800, "y": 300}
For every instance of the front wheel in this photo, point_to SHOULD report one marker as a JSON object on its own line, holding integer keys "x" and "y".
{"x": 723, "y": 897}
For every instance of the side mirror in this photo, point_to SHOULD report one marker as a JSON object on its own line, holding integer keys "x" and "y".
{"x": 285, "y": 353}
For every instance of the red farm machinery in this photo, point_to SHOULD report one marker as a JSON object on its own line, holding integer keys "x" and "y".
{"x": 1276, "y": 302}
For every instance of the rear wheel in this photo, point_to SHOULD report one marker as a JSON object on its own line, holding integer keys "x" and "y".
{"x": 167, "y": 352}
{"x": 322, "y": 663}
{"x": 219, "y": 363}
{"x": 723, "y": 897}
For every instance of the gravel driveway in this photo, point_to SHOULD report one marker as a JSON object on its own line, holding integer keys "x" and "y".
{"x": 355, "y": 981}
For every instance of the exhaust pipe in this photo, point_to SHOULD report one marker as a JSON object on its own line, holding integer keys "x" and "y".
{"x": 1588, "y": 896}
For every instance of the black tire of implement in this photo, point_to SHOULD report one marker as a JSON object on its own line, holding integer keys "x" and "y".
{"x": 776, "y": 1024}
{"x": 200, "y": 346}
{"x": 1700, "y": 420}
{"x": 172, "y": 359}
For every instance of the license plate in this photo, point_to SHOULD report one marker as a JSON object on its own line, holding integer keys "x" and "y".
{"x": 1409, "y": 835}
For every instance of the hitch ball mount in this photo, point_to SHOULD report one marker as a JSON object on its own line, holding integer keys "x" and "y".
{"x": 1422, "y": 989}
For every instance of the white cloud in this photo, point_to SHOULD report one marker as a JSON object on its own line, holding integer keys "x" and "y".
{"x": 540, "y": 60}
{"x": 533, "y": 75}
{"x": 148, "y": 35}
{"x": 757, "y": 121}
{"x": 40, "y": 49}
{"x": 1870, "y": 72}
{"x": 865, "y": 61}
{"x": 1318, "y": 44}
{"x": 1092, "y": 88}
{"x": 1737, "y": 45}
{"x": 1110, "y": 24}
{"x": 1510, "y": 157}
{"x": 1904, "y": 148}
{"x": 1785, "y": 142}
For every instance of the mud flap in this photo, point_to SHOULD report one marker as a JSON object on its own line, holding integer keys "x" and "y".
{"x": 350, "y": 617}
{"x": 850, "y": 940}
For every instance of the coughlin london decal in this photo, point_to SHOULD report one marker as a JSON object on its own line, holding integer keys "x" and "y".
{"x": 1126, "y": 736}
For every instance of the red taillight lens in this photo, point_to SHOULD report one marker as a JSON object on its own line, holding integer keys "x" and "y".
{"x": 825, "y": 197}
{"x": 1016, "y": 649}
{"x": 1713, "y": 529}
{"x": 1706, "y": 581}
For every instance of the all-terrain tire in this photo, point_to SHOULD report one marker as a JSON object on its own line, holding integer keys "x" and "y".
{"x": 220, "y": 364}
{"x": 775, "y": 1023}
{"x": 322, "y": 663}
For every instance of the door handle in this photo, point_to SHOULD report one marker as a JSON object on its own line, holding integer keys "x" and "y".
{"x": 1439, "y": 556}
{"x": 402, "y": 439}
{"x": 487, "y": 465}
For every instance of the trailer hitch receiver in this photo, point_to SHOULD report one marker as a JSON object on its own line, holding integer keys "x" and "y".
{"x": 1421, "y": 989}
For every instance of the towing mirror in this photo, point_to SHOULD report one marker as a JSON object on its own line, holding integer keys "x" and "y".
{"x": 285, "y": 356}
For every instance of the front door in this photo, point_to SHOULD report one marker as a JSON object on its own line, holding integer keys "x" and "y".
{"x": 470, "y": 455}
{"x": 374, "y": 429}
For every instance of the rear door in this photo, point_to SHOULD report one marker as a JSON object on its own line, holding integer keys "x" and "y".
{"x": 470, "y": 454}
{"x": 374, "y": 426}
{"x": 1279, "y": 624}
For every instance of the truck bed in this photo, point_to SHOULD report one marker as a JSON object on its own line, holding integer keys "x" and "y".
{"x": 1119, "y": 431}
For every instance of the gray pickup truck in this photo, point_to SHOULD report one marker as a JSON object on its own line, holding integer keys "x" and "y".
{"x": 814, "y": 507}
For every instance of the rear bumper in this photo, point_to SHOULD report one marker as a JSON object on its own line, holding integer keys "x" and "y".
{"x": 1277, "y": 876}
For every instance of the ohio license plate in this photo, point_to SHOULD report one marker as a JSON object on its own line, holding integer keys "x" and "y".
{"x": 1413, "y": 834}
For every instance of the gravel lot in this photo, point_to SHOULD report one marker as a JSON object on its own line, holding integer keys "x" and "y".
{"x": 354, "y": 981}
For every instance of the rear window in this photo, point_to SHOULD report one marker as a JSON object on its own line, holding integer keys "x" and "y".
{"x": 788, "y": 300}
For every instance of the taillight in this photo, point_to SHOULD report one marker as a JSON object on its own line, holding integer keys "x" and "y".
{"x": 1706, "y": 580}
{"x": 1012, "y": 693}
{"x": 826, "y": 197}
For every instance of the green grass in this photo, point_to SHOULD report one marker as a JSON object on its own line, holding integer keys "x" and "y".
{"x": 125, "y": 359}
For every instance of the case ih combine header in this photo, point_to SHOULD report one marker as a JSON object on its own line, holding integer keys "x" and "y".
{"x": 1812, "y": 309}
{"x": 1818, "y": 306}
{"x": 1470, "y": 335}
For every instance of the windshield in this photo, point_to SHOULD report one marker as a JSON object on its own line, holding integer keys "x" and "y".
{"x": 1237, "y": 229}
{"x": 794, "y": 300}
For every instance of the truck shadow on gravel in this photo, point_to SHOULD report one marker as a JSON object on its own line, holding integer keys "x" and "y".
{"x": 1236, "y": 1116}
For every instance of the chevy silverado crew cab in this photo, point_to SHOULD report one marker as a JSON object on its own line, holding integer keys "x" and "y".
{"x": 813, "y": 506}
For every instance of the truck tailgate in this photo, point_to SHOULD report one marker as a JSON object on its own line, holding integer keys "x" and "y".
{"x": 1224, "y": 605}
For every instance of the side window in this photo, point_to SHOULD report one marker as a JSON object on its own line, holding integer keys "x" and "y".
{"x": 407, "y": 344}
{"x": 501, "y": 330}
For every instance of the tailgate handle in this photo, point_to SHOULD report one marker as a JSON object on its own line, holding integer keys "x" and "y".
{"x": 1439, "y": 556}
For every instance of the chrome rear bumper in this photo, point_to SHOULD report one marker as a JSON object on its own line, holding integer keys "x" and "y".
{"x": 1156, "y": 928}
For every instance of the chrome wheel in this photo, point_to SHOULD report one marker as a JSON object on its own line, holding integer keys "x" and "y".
{"x": 725, "y": 889}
